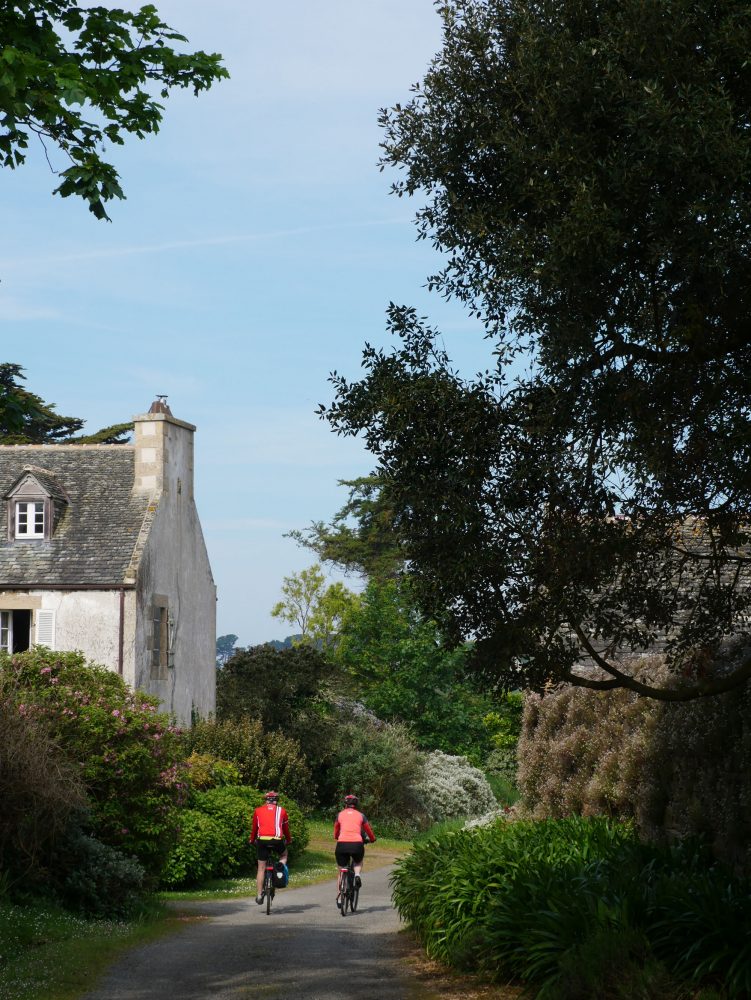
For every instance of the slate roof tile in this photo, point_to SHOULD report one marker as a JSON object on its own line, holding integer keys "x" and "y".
{"x": 94, "y": 538}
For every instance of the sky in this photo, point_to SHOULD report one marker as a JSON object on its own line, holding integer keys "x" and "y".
{"x": 257, "y": 251}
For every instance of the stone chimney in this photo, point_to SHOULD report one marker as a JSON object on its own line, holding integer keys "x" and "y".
{"x": 164, "y": 452}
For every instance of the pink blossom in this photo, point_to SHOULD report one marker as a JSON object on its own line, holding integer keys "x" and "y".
{"x": 116, "y": 713}
{"x": 46, "y": 670}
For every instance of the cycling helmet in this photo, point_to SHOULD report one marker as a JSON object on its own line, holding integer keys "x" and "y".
{"x": 272, "y": 796}
{"x": 351, "y": 800}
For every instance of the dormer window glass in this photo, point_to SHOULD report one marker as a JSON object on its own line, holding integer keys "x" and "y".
{"x": 29, "y": 519}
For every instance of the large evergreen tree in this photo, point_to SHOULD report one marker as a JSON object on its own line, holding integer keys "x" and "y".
{"x": 585, "y": 169}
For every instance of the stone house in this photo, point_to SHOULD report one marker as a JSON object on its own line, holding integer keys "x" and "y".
{"x": 101, "y": 550}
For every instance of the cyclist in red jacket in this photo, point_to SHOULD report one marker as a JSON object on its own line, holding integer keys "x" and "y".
{"x": 270, "y": 832}
{"x": 352, "y": 831}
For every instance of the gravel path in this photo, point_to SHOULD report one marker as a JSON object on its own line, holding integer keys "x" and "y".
{"x": 303, "y": 950}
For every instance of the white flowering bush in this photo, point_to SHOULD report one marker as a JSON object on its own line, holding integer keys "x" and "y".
{"x": 451, "y": 787}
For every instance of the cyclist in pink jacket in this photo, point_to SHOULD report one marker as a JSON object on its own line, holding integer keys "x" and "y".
{"x": 351, "y": 832}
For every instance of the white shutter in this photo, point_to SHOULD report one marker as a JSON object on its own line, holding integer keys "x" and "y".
{"x": 45, "y": 621}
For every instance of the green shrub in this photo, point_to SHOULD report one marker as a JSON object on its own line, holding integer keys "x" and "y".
{"x": 96, "y": 880}
{"x": 196, "y": 855}
{"x": 380, "y": 763}
{"x": 127, "y": 753}
{"x": 265, "y": 760}
{"x": 577, "y": 908}
{"x": 219, "y": 846}
{"x": 205, "y": 771}
{"x": 40, "y": 790}
{"x": 233, "y": 808}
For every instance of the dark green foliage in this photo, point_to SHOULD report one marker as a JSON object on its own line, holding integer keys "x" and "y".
{"x": 114, "y": 434}
{"x": 284, "y": 688}
{"x": 265, "y": 760}
{"x": 213, "y": 836}
{"x": 96, "y": 880}
{"x": 127, "y": 754}
{"x": 40, "y": 790}
{"x": 361, "y": 537}
{"x": 26, "y": 419}
{"x": 505, "y": 726}
{"x": 233, "y": 807}
{"x": 584, "y": 167}
{"x": 380, "y": 763}
{"x": 402, "y": 670}
{"x": 272, "y": 685}
{"x": 82, "y": 79}
{"x": 576, "y": 908}
{"x": 199, "y": 847}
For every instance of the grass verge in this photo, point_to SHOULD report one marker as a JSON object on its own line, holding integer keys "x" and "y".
{"x": 46, "y": 952}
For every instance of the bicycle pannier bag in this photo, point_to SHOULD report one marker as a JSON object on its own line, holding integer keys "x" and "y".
{"x": 281, "y": 875}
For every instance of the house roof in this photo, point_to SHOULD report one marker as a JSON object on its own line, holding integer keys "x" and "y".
{"x": 48, "y": 483}
{"x": 98, "y": 524}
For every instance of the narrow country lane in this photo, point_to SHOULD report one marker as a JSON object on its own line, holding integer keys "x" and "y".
{"x": 304, "y": 950}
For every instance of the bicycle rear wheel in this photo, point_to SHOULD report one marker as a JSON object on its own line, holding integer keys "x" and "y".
{"x": 355, "y": 899}
{"x": 269, "y": 893}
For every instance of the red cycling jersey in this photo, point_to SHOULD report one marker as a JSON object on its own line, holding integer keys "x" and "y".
{"x": 270, "y": 822}
{"x": 351, "y": 826}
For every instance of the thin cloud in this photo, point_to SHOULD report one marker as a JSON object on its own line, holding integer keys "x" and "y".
{"x": 157, "y": 248}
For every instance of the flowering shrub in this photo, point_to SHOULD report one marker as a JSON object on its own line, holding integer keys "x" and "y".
{"x": 677, "y": 769}
{"x": 451, "y": 787}
{"x": 128, "y": 754}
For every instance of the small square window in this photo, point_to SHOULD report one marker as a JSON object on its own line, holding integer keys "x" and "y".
{"x": 30, "y": 519}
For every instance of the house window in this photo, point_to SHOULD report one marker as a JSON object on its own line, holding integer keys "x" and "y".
{"x": 30, "y": 519}
{"x": 160, "y": 652}
{"x": 15, "y": 631}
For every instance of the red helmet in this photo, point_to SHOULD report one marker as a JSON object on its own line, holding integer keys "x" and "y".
{"x": 272, "y": 796}
{"x": 351, "y": 800}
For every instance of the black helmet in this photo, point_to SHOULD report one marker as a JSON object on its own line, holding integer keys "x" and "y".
{"x": 351, "y": 800}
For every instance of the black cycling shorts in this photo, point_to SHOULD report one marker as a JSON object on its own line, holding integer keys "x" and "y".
{"x": 345, "y": 851}
{"x": 264, "y": 848}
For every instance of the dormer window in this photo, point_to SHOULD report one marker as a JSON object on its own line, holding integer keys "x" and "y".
{"x": 37, "y": 502}
{"x": 30, "y": 518}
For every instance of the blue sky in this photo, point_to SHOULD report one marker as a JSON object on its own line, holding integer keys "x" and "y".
{"x": 257, "y": 251}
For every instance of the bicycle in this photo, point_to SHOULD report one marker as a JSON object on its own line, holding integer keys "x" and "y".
{"x": 269, "y": 886}
{"x": 348, "y": 892}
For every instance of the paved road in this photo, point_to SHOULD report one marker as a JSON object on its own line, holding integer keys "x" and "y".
{"x": 303, "y": 950}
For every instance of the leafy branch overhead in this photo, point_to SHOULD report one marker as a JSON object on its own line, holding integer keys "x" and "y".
{"x": 584, "y": 170}
{"x": 81, "y": 78}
